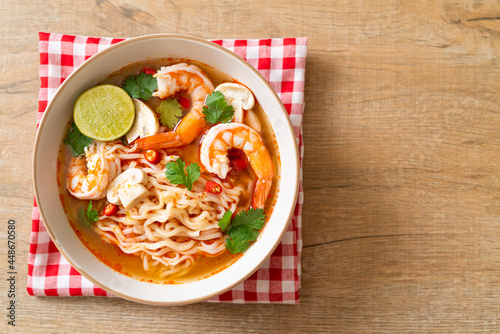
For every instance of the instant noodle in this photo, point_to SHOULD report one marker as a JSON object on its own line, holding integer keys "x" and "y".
{"x": 148, "y": 208}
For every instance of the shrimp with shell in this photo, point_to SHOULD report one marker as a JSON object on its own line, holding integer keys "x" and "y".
{"x": 171, "y": 80}
{"x": 214, "y": 156}
{"x": 89, "y": 175}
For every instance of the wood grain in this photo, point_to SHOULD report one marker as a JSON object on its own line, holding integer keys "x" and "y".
{"x": 401, "y": 220}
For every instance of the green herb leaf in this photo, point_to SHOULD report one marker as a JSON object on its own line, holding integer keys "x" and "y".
{"x": 91, "y": 215}
{"x": 77, "y": 140}
{"x": 253, "y": 218}
{"x": 141, "y": 86}
{"x": 83, "y": 219}
{"x": 193, "y": 174}
{"x": 240, "y": 240}
{"x": 170, "y": 112}
{"x": 243, "y": 229}
{"x": 217, "y": 110}
{"x": 124, "y": 141}
{"x": 131, "y": 87}
{"x": 225, "y": 220}
{"x": 174, "y": 171}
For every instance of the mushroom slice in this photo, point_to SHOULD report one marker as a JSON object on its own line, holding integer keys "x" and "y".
{"x": 240, "y": 97}
{"x": 128, "y": 188}
{"x": 252, "y": 120}
{"x": 145, "y": 124}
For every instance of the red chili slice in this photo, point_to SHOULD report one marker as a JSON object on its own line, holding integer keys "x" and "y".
{"x": 110, "y": 209}
{"x": 184, "y": 102}
{"x": 148, "y": 70}
{"x": 213, "y": 187}
{"x": 153, "y": 156}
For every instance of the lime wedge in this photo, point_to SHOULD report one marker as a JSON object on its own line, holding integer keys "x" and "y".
{"x": 104, "y": 112}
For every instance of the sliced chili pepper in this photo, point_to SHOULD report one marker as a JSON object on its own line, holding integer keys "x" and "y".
{"x": 110, "y": 209}
{"x": 148, "y": 70}
{"x": 184, "y": 102}
{"x": 213, "y": 187}
{"x": 153, "y": 156}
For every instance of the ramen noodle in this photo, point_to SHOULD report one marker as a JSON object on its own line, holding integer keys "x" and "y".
{"x": 161, "y": 230}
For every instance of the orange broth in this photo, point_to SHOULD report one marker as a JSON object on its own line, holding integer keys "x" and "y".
{"x": 130, "y": 264}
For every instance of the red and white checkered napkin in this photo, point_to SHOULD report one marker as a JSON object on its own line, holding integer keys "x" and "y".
{"x": 282, "y": 62}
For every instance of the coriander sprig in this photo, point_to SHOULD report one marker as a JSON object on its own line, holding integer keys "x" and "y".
{"x": 170, "y": 112}
{"x": 217, "y": 111}
{"x": 141, "y": 86}
{"x": 90, "y": 214}
{"x": 77, "y": 140}
{"x": 225, "y": 220}
{"x": 174, "y": 171}
{"x": 242, "y": 229}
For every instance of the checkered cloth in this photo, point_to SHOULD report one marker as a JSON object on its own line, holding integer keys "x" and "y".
{"x": 282, "y": 62}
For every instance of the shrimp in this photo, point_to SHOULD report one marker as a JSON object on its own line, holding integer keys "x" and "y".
{"x": 222, "y": 137}
{"x": 88, "y": 176}
{"x": 171, "y": 80}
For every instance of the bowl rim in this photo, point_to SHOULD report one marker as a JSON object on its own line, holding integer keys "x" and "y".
{"x": 82, "y": 67}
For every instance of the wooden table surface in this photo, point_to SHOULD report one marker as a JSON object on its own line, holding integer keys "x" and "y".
{"x": 401, "y": 221}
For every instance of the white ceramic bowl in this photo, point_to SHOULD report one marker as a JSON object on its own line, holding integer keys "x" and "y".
{"x": 50, "y": 135}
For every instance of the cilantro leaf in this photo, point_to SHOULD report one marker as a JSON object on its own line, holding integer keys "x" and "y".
{"x": 170, "y": 112}
{"x": 174, "y": 171}
{"x": 83, "y": 219}
{"x": 243, "y": 229}
{"x": 193, "y": 173}
{"x": 91, "y": 215}
{"x": 131, "y": 87}
{"x": 217, "y": 110}
{"x": 77, "y": 140}
{"x": 253, "y": 218}
{"x": 225, "y": 220}
{"x": 88, "y": 216}
{"x": 240, "y": 241}
{"x": 141, "y": 86}
{"x": 147, "y": 81}
{"x": 124, "y": 141}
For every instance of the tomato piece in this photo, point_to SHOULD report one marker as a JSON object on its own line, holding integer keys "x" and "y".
{"x": 153, "y": 156}
{"x": 238, "y": 159}
{"x": 184, "y": 102}
{"x": 239, "y": 164}
{"x": 110, "y": 209}
{"x": 235, "y": 153}
{"x": 148, "y": 70}
{"x": 213, "y": 187}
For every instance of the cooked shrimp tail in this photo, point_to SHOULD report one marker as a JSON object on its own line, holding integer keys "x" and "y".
{"x": 88, "y": 176}
{"x": 223, "y": 137}
{"x": 171, "y": 80}
{"x": 160, "y": 140}
{"x": 260, "y": 193}
{"x": 191, "y": 126}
